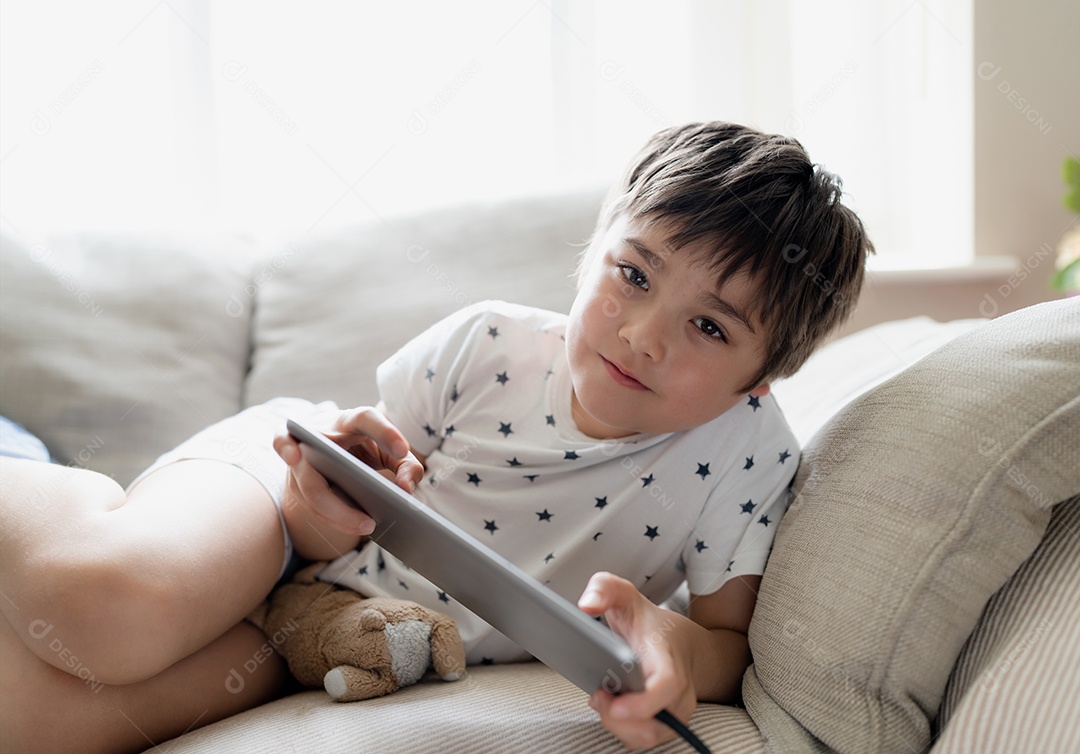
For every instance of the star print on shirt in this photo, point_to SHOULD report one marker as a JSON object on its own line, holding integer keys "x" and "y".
{"x": 764, "y": 520}
{"x": 514, "y": 461}
{"x": 544, "y": 515}
{"x": 550, "y": 557}
{"x": 474, "y": 479}
{"x": 450, "y": 430}
{"x": 703, "y": 470}
{"x": 748, "y": 506}
{"x": 550, "y": 420}
{"x": 501, "y": 378}
{"x": 454, "y": 394}
{"x": 363, "y": 570}
{"x": 402, "y": 584}
{"x": 784, "y": 456}
{"x": 431, "y": 432}
{"x": 601, "y": 502}
{"x": 490, "y": 526}
{"x": 430, "y": 375}
{"x": 443, "y": 597}
{"x": 749, "y": 463}
{"x": 647, "y": 480}
{"x": 531, "y": 477}
{"x": 570, "y": 455}
{"x": 493, "y": 332}
{"x": 504, "y": 427}
{"x": 754, "y": 402}
{"x": 652, "y": 532}
{"x": 701, "y": 545}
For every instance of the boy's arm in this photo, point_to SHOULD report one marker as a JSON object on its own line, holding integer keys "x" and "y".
{"x": 725, "y": 614}
{"x": 685, "y": 660}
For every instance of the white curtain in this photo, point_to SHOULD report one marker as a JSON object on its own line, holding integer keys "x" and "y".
{"x": 271, "y": 117}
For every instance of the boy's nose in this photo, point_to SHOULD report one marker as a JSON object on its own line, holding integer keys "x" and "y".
{"x": 645, "y": 336}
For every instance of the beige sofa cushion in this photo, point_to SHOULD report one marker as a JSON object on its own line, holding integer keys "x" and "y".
{"x": 329, "y": 309}
{"x": 493, "y": 710}
{"x": 912, "y": 508}
{"x": 1019, "y": 669}
{"x": 114, "y": 349}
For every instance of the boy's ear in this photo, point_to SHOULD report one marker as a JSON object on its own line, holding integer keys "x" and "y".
{"x": 761, "y": 390}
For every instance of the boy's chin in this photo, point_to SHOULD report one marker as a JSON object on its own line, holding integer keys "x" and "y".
{"x": 596, "y": 427}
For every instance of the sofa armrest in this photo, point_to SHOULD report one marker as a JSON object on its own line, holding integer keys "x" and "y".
{"x": 1015, "y": 685}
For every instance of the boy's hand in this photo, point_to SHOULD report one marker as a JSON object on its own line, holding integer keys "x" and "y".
{"x": 653, "y": 633}
{"x": 309, "y": 498}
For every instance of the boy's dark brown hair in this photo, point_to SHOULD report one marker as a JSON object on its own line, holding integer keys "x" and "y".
{"x": 762, "y": 208}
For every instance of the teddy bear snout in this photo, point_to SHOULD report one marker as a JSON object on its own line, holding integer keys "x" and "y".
{"x": 410, "y": 649}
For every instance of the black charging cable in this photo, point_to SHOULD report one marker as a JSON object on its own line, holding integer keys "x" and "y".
{"x": 672, "y": 722}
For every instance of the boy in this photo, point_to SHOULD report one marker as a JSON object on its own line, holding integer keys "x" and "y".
{"x": 635, "y": 436}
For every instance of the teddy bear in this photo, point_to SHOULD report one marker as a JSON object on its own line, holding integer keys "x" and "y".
{"x": 356, "y": 647}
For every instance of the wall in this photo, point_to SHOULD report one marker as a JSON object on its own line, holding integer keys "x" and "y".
{"x": 1027, "y": 119}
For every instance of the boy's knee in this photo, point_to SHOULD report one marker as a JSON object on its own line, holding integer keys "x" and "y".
{"x": 91, "y": 616}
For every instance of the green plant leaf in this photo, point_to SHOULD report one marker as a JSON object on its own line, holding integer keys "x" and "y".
{"x": 1067, "y": 279}
{"x": 1072, "y": 200}
{"x": 1070, "y": 171}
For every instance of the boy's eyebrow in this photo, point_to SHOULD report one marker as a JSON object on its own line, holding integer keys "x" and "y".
{"x": 654, "y": 261}
{"x": 726, "y": 307}
{"x": 711, "y": 300}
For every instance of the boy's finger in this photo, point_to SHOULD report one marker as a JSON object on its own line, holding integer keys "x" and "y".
{"x": 409, "y": 473}
{"x": 366, "y": 421}
{"x": 326, "y": 505}
{"x": 286, "y": 447}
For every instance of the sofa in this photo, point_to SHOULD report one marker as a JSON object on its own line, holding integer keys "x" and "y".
{"x": 924, "y": 588}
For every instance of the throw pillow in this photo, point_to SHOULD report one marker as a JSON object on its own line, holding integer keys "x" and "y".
{"x": 912, "y": 508}
{"x": 116, "y": 348}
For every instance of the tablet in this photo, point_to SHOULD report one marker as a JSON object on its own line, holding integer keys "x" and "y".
{"x": 541, "y": 622}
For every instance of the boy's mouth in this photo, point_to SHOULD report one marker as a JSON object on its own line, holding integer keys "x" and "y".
{"x": 622, "y": 377}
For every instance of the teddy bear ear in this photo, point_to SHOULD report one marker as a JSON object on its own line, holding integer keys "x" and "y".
{"x": 372, "y": 620}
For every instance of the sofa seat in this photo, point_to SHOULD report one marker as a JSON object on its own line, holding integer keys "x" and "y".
{"x": 508, "y": 708}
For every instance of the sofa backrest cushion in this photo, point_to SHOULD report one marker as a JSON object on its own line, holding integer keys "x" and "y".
{"x": 329, "y": 309}
{"x": 912, "y": 507}
{"x": 114, "y": 349}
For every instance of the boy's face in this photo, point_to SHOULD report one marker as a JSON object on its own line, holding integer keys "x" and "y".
{"x": 654, "y": 344}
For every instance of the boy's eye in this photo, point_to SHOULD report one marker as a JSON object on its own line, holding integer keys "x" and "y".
{"x": 709, "y": 328}
{"x": 634, "y": 276}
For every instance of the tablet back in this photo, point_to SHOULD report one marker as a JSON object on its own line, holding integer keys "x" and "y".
{"x": 540, "y": 621}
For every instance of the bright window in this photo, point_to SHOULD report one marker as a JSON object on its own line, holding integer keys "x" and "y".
{"x": 271, "y": 117}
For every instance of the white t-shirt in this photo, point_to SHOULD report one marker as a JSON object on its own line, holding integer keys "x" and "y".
{"x": 485, "y": 395}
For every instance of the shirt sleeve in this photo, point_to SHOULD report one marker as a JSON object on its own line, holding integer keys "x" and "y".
{"x": 734, "y": 534}
{"x": 419, "y": 383}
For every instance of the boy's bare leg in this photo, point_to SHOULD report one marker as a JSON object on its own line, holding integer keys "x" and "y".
{"x": 121, "y": 587}
{"x": 45, "y": 709}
